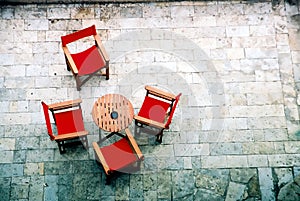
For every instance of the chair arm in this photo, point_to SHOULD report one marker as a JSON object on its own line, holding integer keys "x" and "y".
{"x": 134, "y": 144}
{"x": 101, "y": 158}
{"x": 70, "y": 60}
{"x": 101, "y": 47}
{"x": 149, "y": 122}
{"x": 70, "y": 135}
{"x": 64, "y": 104}
{"x": 160, "y": 93}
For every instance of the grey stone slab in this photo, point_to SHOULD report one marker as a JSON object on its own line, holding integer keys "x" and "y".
{"x": 182, "y": 184}
{"x": 164, "y": 185}
{"x": 136, "y": 186}
{"x": 213, "y": 180}
{"x": 39, "y": 155}
{"x": 58, "y": 167}
{"x": 27, "y": 143}
{"x": 5, "y": 184}
{"x": 51, "y": 190}
{"x": 122, "y": 188}
{"x": 235, "y": 191}
{"x": 242, "y": 175}
{"x": 266, "y": 183}
{"x": 203, "y": 194}
{"x": 226, "y": 148}
{"x": 284, "y": 176}
{"x": 36, "y": 188}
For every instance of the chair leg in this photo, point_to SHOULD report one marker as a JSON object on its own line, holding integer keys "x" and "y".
{"x": 107, "y": 73}
{"x": 85, "y": 142}
{"x": 159, "y": 137}
{"x": 78, "y": 83}
{"x": 108, "y": 180}
{"x": 61, "y": 147}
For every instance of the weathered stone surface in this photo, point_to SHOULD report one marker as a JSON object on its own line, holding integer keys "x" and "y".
{"x": 183, "y": 184}
{"x": 235, "y": 191}
{"x": 242, "y": 175}
{"x": 212, "y": 180}
{"x": 236, "y": 64}
{"x": 289, "y": 192}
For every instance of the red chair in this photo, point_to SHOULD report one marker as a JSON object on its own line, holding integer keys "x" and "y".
{"x": 89, "y": 62}
{"x": 156, "y": 112}
{"x": 123, "y": 155}
{"x": 68, "y": 120}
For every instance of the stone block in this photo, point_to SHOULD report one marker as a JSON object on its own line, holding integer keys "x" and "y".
{"x": 237, "y": 161}
{"x": 182, "y": 184}
{"x": 225, "y": 149}
{"x": 284, "y": 175}
{"x": 19, "y": 191}
{"x": 7, "y": 144}
{"x": 262, "y": 30}
{"x": 36, "y": 190}
{"x": 82, "y": 12}
{"x": 204, "y": 21}
{"x": 257, "y": 160}
{"x": 34, "y": 169}
{"x": 6, "y": 156}
{"x": 263, "y": 99}
{"x": 292, "y": 147}
{"x": 261, "y": 53}
{"x": 237, "y": 31}
{"x": 235, "y": 191}
{"x": 289, "y": 192}
{"x": 19, "y": 156}
{"x": 11, "y": 170}
{"x": 214, "y": 161}
{"x": 242, "y": 175}
{"x": 296, "y": 57}
{"x": 257, "y": 111}
{"x": 39, "y": 155}
{"x": 5, "y": 188}
{"x": 14, "y": 24}
{"x": 58, "y": 13}
{"x": 136, "y": 187}
{"x": 122, "y": 189}
{"x": 165, "y": 182}
{"x": 191, "y": 149}
{"x": 266, "y": 122}
{"x": 51, "y": 190}
{"x": 40, "y": 24}
{"x": 281, "y": 160}
{"x": 214, "y": 180}
{"x": 7, "y": 59}
{"x": 266, "y": 182}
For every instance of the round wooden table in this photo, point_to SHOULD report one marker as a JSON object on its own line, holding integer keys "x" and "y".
{"x": 112, "y": 112}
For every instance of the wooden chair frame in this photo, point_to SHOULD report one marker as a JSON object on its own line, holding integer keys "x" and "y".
{"x": 153, "y": 126}
{"x": 61, "y": 138}
{"x": 101, "y": 159}
{"x": 72, "y": 66}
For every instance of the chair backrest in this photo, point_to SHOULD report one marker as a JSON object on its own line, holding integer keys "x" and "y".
{"x": 47, "y": 119}
{"x": 78, "y": 35}
{"x": 172, "y": 111}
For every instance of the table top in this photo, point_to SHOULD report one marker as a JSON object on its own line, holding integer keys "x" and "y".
{"x": 112, "y": 112}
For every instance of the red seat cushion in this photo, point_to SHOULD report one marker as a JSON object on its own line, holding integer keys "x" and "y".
{"x": 69, "y": 121}
{"x": 154, "y": 109}
{"x": 119, "y": 154}
{"x": 88, "y": 61}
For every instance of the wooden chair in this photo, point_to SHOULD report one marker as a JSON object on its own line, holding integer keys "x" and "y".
{"x": 156, "y": 112}
{"x": 123, "y": 155}
{"x": 89, "y": 62}
{"x": 68, "y": 119}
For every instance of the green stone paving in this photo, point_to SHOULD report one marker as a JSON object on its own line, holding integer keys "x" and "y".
{"x": 234, "y": 136}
